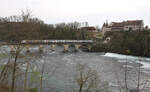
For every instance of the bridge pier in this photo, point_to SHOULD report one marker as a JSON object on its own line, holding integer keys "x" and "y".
{"x": 41, "y": 48}
{"x": 27, "y": 49}
{"x": 89, "y": 47}
{"x": 77, "y": 46}
{"x": 12, "y": 49}
{"x": 66, "y": 46}
{"x": 53, "y": 47}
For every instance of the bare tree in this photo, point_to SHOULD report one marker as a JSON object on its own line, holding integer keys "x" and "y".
{"x": 26, "y": 15}
{"x": 139, "y": 74}
{"x": 29, "y": 57}
{"x": 126, "y": 85}
{"x": 15, "y": 54}
{"x": 88, "y": 79}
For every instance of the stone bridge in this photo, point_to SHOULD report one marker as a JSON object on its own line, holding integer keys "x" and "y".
{"x": 66, "y": 43}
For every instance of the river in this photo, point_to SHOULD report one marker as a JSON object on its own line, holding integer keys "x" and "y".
{"x": 60, "y": 69}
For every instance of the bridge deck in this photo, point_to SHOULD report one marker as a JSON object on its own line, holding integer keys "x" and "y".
{"x": 55, "y": 41}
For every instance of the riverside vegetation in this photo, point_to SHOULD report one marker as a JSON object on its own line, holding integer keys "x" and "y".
{"x": 126, "y": 42}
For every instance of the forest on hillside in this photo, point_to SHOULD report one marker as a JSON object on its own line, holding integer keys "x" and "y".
{"x": 25, "y": 27}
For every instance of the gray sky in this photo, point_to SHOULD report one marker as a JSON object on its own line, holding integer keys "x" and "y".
{"x": 93, "y": 11}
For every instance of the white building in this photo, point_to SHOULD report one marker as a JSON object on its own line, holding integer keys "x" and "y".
{"x": 130, "y": 25}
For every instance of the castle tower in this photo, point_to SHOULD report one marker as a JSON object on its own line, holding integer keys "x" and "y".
{"x": 105, "y": 27}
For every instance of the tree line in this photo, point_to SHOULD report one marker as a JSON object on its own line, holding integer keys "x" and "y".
{"x": 25, "y": 27}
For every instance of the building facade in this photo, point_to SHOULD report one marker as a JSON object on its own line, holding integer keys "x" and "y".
{"x": 91, "y": 30}
{"x": 130, "y": 25}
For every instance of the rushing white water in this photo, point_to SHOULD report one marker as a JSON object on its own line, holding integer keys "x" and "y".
{"x": 145, "y": 65}
{"x": 122, "y": 58}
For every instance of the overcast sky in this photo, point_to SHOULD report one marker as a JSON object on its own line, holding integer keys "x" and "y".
{"x": 93, "y": 11}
